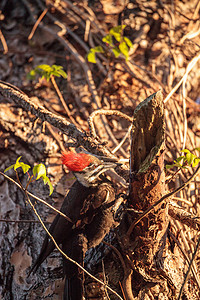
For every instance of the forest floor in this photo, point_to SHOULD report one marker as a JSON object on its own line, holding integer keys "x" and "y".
{"x": 165, "y": 55}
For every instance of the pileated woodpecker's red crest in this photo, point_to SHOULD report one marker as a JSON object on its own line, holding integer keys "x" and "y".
{"x": 76, "y": 162}
{"x": 86, "y": 167}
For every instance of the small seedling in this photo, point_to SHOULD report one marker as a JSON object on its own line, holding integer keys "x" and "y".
{"x": 186, "y": 160}
{"x": 50, "y": 72}
{"x": 46, "y": 71}
{"x": 39, "y": 171}
{"x": 115, "y": 41}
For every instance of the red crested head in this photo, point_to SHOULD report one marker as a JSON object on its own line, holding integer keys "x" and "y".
{"x": 76, "y": 162}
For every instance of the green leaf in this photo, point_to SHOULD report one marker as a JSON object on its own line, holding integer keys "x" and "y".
{"x": 50, "y": 188}
{"x": 169, "y": 166}
{"x": 180, "y": 158}
{"x": 46, "y": 71}
{"x": 117, "y": 32}
{"x": 178, "y": 165}
{"x": 185, "y": 151}
{"x": 108, "y": 40}
{"x": 25, "y": 167}
{"x": 9, "y": 168}
{"x": 31, "y": 75}
{"x": 58, "y": 71}
{"x": 190, "y": 157}
{"x": 128, "y": 42}
{"x": 47, "y": 181}
{"x": 39, "y": 170}
{"x": 91, "y": 57}
{"x": 46, "y": 68}
{"x": 198, "y": 149}
{"x": 63, "y": 74}
{"x": 55, "y": 73}
{"x": 116, "y": 52}
{"x": 195, "y": 162}
{"x": 98, "y": 49}
{"x": 124, "y": 49}
{"x": 17, "y": 164}
{"x": 56, "y": 67}
{"x": 91, "y": 54}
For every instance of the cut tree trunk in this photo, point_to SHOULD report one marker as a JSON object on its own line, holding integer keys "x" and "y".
{"x": 147, "y": 183}
{"x": 153, "y": 268}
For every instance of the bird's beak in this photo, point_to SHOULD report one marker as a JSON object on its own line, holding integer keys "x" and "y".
{"x": 104, "y": 166}
{"x": 110, "y": 165}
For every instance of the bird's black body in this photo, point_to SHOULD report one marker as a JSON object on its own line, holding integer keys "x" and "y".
{"x": 90, "y": 209}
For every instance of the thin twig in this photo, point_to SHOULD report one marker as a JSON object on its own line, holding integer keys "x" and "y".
{"x": 62, "y": 100}
{"x": 56, "y": 136}
{"x": 179, "y": 213}
{"x": 187, "y": 246}
{"x": 185, "y": 201}
{"x": 105, "y": 280}
{"x": 37, "y": 198}
{"x": 184, "y": 95}
{"x": 183, "y": 252}
{"x": 22, "y": 221}
{"x": 94, "y": 21}
{"x": 105, "y": 112}
{"x": 118, "y": 254}
{"x": 3, "y": 42}
{"x": 191, "y": 64}
{"x": 123, "y": 140}
{"x": 189, "y": 268}
{"x": 37, "y": 23}
{"x": 122, "y": 290}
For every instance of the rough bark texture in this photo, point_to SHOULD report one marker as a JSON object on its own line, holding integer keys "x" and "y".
{"x": 148, "y": 183}
{"x": 147, "y": 246}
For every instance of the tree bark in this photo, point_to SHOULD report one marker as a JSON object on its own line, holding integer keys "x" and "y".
{"x": 147, "y": 183}
{"x": 156, "y": 269}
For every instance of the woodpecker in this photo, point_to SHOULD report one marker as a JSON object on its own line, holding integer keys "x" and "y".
{"x": 88, "y": 204}
{"x": 86, "y": 167}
